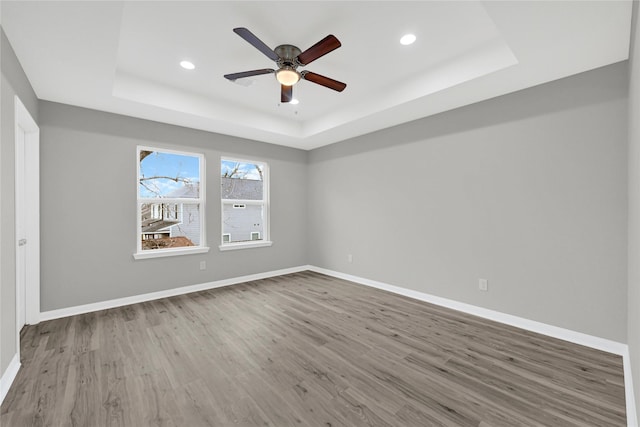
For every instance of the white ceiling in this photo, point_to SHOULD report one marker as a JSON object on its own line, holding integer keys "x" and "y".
{"x": 123, "y": 57}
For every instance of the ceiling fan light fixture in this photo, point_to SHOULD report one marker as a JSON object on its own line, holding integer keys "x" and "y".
{"x": 287, "y": 76}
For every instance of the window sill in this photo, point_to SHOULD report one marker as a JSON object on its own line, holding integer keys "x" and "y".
{"x": 159, "y": 253}
{"x": 245, "y": 245}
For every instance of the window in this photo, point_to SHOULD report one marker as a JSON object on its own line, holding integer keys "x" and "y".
{"x": 171, "y": 203}
{"x": 245, "y": 204}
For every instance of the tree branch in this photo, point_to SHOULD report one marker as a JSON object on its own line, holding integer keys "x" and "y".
{"x": 176, "y": 179}
{"x": 149, "y": 189}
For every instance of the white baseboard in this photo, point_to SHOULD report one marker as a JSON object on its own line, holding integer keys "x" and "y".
{"x": 119, "y": 302}
{"x": 9, "y": 375}
{"x": 519, "y": 322}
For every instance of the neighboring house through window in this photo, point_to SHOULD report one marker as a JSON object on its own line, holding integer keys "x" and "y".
{"x": 171, "y": 203}
{"x": 245, "y": 203}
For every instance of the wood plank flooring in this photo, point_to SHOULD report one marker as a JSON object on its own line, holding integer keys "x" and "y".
{"x": 304, "y": 350}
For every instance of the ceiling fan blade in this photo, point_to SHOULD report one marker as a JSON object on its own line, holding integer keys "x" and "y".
{"x": 243, "y": 74}
{"x": 323, "y": 81}
{"x": 256, "y": 42}
{"x": 319, "y": 49}
{"x": 286, "y": 93}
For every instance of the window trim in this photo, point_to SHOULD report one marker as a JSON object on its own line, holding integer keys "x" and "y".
{"x": 201, "y": 201}
{"x": 245, "y": 245}
{"x": 265, "y": 202}
{"x": 159, "y": 253}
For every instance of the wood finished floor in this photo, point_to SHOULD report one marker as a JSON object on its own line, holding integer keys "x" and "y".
{"x": 304, "y": 350}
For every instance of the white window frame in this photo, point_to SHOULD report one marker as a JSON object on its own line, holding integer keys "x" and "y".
{"x": 266, "y": 209}
{"x": 201, "y": 201}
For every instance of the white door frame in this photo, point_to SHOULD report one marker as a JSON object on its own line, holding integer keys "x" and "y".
{"x": 20, "y": 226}
{"x": 31, "y": 217}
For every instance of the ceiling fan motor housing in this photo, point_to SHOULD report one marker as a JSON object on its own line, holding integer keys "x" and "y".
{"x": 288, "y": 54}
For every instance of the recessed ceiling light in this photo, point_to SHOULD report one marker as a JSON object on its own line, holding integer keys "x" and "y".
{"x": 187, "y": 65}
{"x": 294, "y": 101}
{"x": 407, "y": 39}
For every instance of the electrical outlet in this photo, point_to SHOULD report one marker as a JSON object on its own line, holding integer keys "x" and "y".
{"x": 349, "y": 258}
{"x": 203, "y": 265}
{"x": 483, "y": 285}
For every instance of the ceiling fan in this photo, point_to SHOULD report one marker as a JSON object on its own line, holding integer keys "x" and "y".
{"x": 289, "y": 58}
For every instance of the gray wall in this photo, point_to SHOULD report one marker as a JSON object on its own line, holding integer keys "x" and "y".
{"x": 14, "y": 82}
{"x": 88, "y": 162}
{"x": 527, "y": 190}
{"x": 633, "y": 323}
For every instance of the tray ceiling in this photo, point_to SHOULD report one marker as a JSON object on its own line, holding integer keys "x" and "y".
{"x": 123, "y": 57}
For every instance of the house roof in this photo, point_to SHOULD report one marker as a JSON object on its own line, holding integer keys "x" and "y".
{"x": 232, "y": 188}
{"x": 241, "y": 189}
{"x": 190, "y": 191}
{"x": 157, "y": 225}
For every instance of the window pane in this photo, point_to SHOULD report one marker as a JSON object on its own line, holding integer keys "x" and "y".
{"x": 242, "y": 225}
{"x": 164, "y": 174}
{"x": 242, "y": 181}
{"x": 170, "y": 225}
